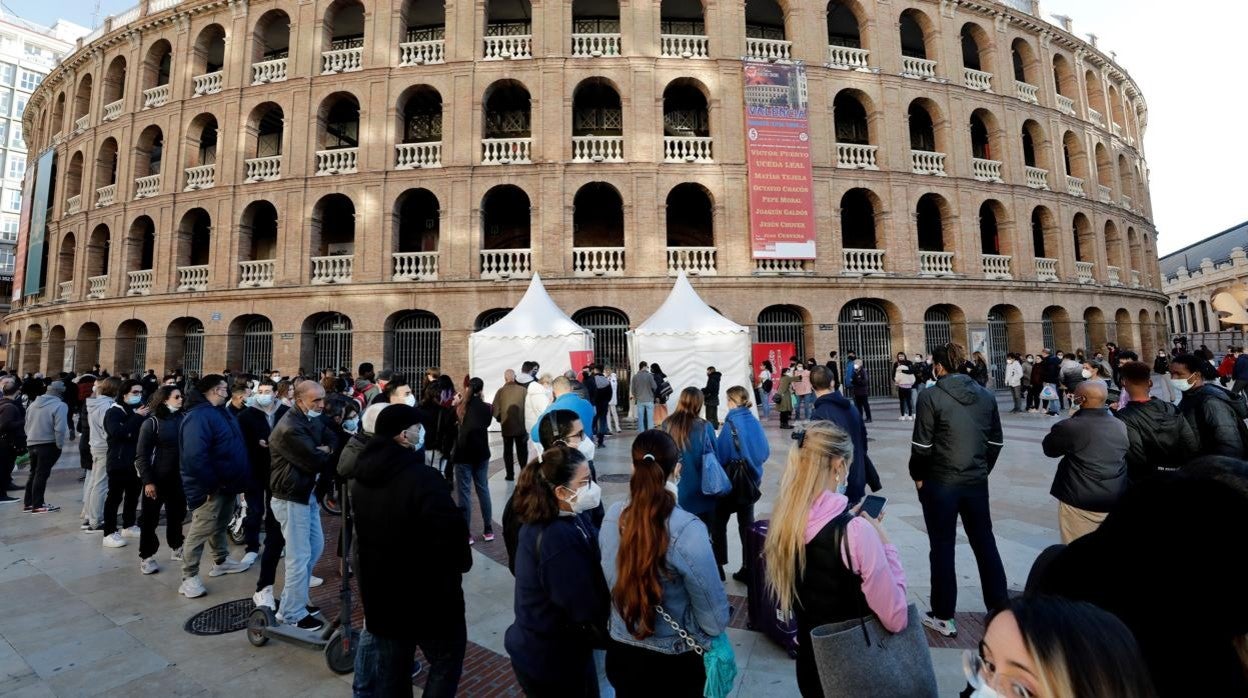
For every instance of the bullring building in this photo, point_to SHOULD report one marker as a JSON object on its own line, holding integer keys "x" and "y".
{"x": 291, "y": 184}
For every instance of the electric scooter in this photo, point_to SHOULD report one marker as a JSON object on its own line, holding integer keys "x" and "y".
{"x": 337, "y": 639}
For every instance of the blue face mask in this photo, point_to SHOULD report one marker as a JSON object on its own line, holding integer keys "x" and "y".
{"x": 134, "y": 399}
{"x": 313, "y": 414}
{"x": 351, "y": 425}
{"x": 840, "y": 489}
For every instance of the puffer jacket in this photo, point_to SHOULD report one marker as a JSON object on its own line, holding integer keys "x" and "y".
{"x": 1092, "y": 474}
{"x": 1160, "y": 438}
{"x": 957, "y": 433}
{"x": 156, "y": 456}
{"x": 121, "y": 424}
{"x": 294, "y": 447}
{"x": 214, "y": 457}
{"x": 1218, "y": 420}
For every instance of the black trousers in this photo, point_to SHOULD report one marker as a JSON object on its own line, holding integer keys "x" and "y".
{"x": 712, "y": 414}
{"x": 600, "y": 422}
{"x": 8, "y": 461}
{"x": 636, "y": 672}
{"x": 864, "y": 406}
{"x": 123, "y": 483}
{"x": 515, "y": 450}
{"x": 168, "y": 495}
{"x": 719, "y": 530}
{"x": 570, "y": 684}
{"x": 903, "y": 400}
{"x": 42, "y": 458}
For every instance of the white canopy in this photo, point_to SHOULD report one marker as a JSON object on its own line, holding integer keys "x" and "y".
{"x": 535, "y": 330}
{"x": 685, "y": 336}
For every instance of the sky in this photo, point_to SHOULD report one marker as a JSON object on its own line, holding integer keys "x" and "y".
{"x": 1186, "y": 61}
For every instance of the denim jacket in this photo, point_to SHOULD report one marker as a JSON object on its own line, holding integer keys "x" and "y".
{"x": 692, "y": 592}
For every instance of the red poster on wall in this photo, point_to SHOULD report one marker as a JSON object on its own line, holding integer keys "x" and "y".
{"x": 778, "y": 353}
{"x": 777, "y": 156}
{"x": 580, "y": 359}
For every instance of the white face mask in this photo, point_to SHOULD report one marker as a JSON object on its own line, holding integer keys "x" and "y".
{"x": 1180, "y": 384}
{"x": 416, "y": 436}
{"x": 173, "y": 409}
{"x": 985, "y": 692}
{"x": 585, "y": 498}
{"x": 587, "y": 448}
{"x": 264, "y": 399}
{"x": 672, "y": 486}
{"x": 1086, "y": 373}
{"x": 410, "y": 401}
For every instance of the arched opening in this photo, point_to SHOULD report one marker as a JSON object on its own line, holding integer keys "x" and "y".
{"x": 105, "y": 172}
{"x": 270, "y": 47}
{"x": 610, "y": 329}
{"x": 1148, "y": 336}
{"x": 99, "y": 249}
{"x": 333, "y": 226}
{"x": 139, "y": 253}
{"x": 1076, "y": 161}
{"x": 32, "y": 355}
{"x": 690, "y": 216}
{"x": 681, "y": 18}
{"x": 57, "y": 123}
{"x": 201, "y": 152}
{"x": 1064, "y": 80}
{"x": 843, "y": 26}
{"x": 923, "y": 117}
{"x": 852, "y": 124}
{"x": 338, "y": 122}
{"x": 1095, "y": 332}
{"x": 943, "y": 324}
{"x": 1126, "y": 180}
{"x": 149, "y": 150}
{"x": 505, "y": 218}
{"x": 685, "y": 111}
{"x": 858, "y": 207}
{"x": 257, "y": 241}
{"x": 1104, "y": 172}
{"x": 1204, "y": 316}
{"x": 986, "y": 146}
{"x": 194, "y": 242}
{"x": 1045, "y": 240}
{"x": 1026, "y": 65}
{"x": 114, "y": 87}
{"x": 764, "y": 20}
{"x": 489, "y": 317}
{"x": 864, "y": 328}
{"x": 1113, "y": 248}
{"x": 596, "y": 111}
{"x": 263, "y": 147}
{"x": 783, "y": 324}
{"x": 420, "y": 116}
{"x": 56, "y": 349}
{"x": 73, "y": 176}
{"x": 931, "y": 215}
{"x": 1136, "y": 254}
{"x": 65, "y": 262}
{"x": 976, "y": 54}
{"x": 157, "y": 67}
{"x": 1035, "y": 152}
{"x": 132, "y": 346}
{"x": 1124, "y": 330}
{"x": 82, "y": 98}
{"x": 250, "y": 344}
{"x": 344, "y": 30}
{"x": 992, "y": 218}
{"x": 327, "y": 342}
{"x": 597, "y": 216}
{"x": 417, "y": 225}
{"x": 1096, "y": 97}
{"x": 914, "y": 27}
{"x": 415, "y": 343}
{"x": 1055, "y": 329}
{"x": 86, "y": 347}
{"x": 208, "y": 55}
{"x": 184, "y": 346}
{"x": 1005, "y": 335}
{"x": 1119, "y": 115}
{"x": 507, "y": 110}
{"x": 592, "y": 22}
{"x": 1170, "y": 318}
{"x": 424, "y": 20}
{"x": 1085, "y": 240}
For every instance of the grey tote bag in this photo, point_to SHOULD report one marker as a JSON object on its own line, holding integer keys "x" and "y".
{"x": 860, "y": 658}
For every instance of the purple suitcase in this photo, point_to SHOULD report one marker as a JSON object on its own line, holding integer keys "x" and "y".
{"x": 764, "y": 612}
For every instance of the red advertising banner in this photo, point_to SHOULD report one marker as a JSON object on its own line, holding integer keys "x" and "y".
{"x": 777, "y": 156}
{"x": 580, "y": 359}
{"x": 778, "y": 353}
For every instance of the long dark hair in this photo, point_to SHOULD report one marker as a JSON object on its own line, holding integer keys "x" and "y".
{"x": 643, "y": 532}
{"x": 156, "y": 403}
{"x": 534, "y": 499}
{"x": 680, "y": 425}
{"x": 472, "y": 392}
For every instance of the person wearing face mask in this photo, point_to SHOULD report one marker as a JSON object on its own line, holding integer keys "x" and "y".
{"x": 157, "y": 462}
{"x": 240, "y": 397}
{"x": 657, "y": 557}
{"x": 812, "y": 516}
{"x": 742, "y": 439}
{"x": 1050, "y": 647}
{"x": 410, "y": 556}
{"x": 300, "y": 446}
{"x": 1092, "y": 474}
{"x": 121, "y": 424}
{"x": 1099, "y": 371}
{"x": 861, "y": 387}
{"x": 256, "y": 424}
{"x": 1014, "y": 381}
{"x": 1216, "y": 416}
{"x": 561, "y": 598}
{"x": 472, "y": 457}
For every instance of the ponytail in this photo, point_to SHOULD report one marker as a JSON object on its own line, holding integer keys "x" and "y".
{"x": 644, "y": 537}
{"x": 534, "y": 499}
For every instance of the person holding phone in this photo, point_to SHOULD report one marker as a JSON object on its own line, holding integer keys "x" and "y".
{"x": 811, "y": 515}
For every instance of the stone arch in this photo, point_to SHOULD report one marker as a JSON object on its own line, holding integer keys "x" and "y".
{"x": 99, "y": 250}
{"x": 149, "y": 151}
{"x": 157, "y": 65}
{"x": 131, "y": 343}
{"x": 934, "y": 219}
{"x": 858, "y": 212}
{"x": 413, "y": 343}
{"x": 597, "y": 216}
{"x": 1024, "y": 61}
{"x": 332, "y": 230}
{"x": 784, "y": 323}
{"x": 856, "y": 117}
{"x": 1056, "y": 329}
{"x": 929, "y": 130}
{"x": 846, "y": 20}
{"x": 249, "y": 346}
{"x": 995, "y": 225}
{"x": 918, "y": 34}
{"x": 417, "y": 221}
{"x": 1037, "y": 150}
{"x": 114, "y": 83}
{"x": 56, "y": 350}
{"x": 208, "y": 51}
{"x": 86, "y": 347}
{"x": 32, "y": 354}
{"x": 976, "y": 48}
{"x": 506, "y": 218}
{"x": 943, "y": 323}
{"x": 872, "y": 327}
{"x": 690, "y": 215}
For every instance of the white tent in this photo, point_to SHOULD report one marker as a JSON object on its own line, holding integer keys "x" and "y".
{"x": 535, "y": 330}
{"x": 685, "y": 336}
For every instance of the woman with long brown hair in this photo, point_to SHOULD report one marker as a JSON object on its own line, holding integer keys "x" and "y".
{"x": 472, "y": 456}
{"x": 659, "y": 564}
{"x": 694, "y": 436}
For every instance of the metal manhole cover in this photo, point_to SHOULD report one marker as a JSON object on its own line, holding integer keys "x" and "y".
{"x": 619, "y": 479}
{"x": 228, "y": 617}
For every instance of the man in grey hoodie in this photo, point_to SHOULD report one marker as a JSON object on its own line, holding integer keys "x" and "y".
{"x": 47, "y": 430}
{"x": 97, "y": 484}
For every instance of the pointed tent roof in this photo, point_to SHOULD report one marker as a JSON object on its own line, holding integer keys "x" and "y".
{"x": 536, "y": 315}
{"x": 684, "y": 312}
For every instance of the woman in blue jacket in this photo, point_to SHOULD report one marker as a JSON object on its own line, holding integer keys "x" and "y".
{"x": 741, "y": 438}
{"x": 561, "y": 596}
{"x": 693, "y": 436}
{"x": 659, "y": 565}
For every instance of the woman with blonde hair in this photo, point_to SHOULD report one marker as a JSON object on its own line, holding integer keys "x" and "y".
{"x": 826, "y": 564}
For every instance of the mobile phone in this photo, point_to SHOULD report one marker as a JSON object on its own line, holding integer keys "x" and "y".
{"x": 872, "y": 505}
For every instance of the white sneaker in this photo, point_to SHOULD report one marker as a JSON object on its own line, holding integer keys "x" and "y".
{"x": 226, "y": 566}
{"x": 942, "y": 627}
{"x": 132, "y": 532}
{"x": 192, "y": 588}
{"x": 114, "y": 540}
{"x": 248, "y": 560}
{"x": 264, "y": 597}
{"x": 148, "y": 565}
{"x": 176, "y": 555}
{"x": 314, "y": 581}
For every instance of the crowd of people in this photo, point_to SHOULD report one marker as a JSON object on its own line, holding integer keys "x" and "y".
{"x": 637, "y": 590}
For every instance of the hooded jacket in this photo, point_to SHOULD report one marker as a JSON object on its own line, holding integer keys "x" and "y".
{"x": 1160, "y": 438}
{"x": 957, "y": 433}
{"x": 411, "y": 547}
{"x": 214, "y": 458}
{"x": 46, "y": 421}
{"x": 536, "y": 400}
{"x": 836, "y": 408}
{"x": 710, "y": 393}
{"x": 121, "y": 424}
{"x": 12, "y": 423}
{"x": 295, "y": 455}
{"x": 98, "y": 438}
{"x": 1217, "y": 417}
{"x": 1092, "y": 474}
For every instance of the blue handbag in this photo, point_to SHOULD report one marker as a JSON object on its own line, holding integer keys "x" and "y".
{"x": 715, "y": 482}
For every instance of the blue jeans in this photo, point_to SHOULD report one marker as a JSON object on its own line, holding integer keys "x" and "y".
{"x": 383, "y": 667}
{"x": 301, "y": 527}
{"x": 942, "y": 506}
{"x": 645, "y": 416}
{"x": 764, "y": 403}
{"x": 476, "y": 476}
{"x": 806, "y": 404}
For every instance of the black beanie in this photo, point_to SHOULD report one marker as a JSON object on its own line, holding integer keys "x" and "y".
{"x": 395, "y": 420}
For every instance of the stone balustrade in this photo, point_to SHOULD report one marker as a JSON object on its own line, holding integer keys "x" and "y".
{"x": 156, "y": 96}
{"x": 928, "y": 163}
{"x": 65, "y": 290}
{"x": 684, "y": 46}
{"x": 333, "y": 269}
{"x": 73, "y": 204}
{"x": 1113, "y": 275}
{"x": 265, "y": 169}
{"x": 768, "y": 49}
{"x": 506, "y": 264}
{"x": 208, "y": 83}
{"x": 848, "y": 58}
{"x": 415, "y": 266}
{"x": 81, "y": 123}
{"x": 862, "y": 262}
{"x": 856, "y": 157}
{"x": 506, "y": 151}
{"x": 996, "y": 266}
{"x": 429, "y": 52}
{"x": 597, "y": 148}
{"x": 920, "y": 68}
{"x": 193, "y": 278}
{"x": 1026, "y": 92}
{"x": 343, "y": 60}
{"x": 597, "y": 261}
{"x": 105, "y": 196}
{"x": 595, "y": 45}
{"x": 1095, "y": 117}
{"x": 97, "y": 286}
{"x": 687, "y": 149}
{"x": 501, "y": 48}
{"x": 935, "y": 263}
{"x": 1106, "y": 194}
{"x": 1066, "y": 105}
{"x": 986, "y": 170}
{"x": 1127, "y": 203}
{"x": 695, "y": 261}
{"x": 1083, "y": 272}
{"x": 1074, "y": 185}
{"x": 337, "y": 161}
{"x": 1037, "y": 178}
{"x": 268, "y": 71}
{"x": 258, "y": 273}
{"x": 412, "y": 156}
{"x": 147, "y": 186}
{"x": 200, "y": 177}
{"x": 1046, "y": 269}
{"x": 783, "y": 267}
{"x": 977, "y": 79}
{"x": 1135, "y": 279}
{"x": 112, "y": 110}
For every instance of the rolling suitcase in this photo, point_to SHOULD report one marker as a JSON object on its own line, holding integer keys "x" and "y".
{"x": 765, "y": 616}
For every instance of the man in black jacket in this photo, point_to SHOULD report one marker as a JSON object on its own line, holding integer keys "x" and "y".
{"x": 710, "y": 397}
{"x": 256, "y": 423}
{"x": 410, "y": 556}
{"x": 12, "y": 436}
{"x": 1051, "y": 369}
{"x": 1159, "y": 438}
{"x": 1216, "y": 416}
{"x": 956, "y": 441}
{"x": 1092, "y": 474}
{"x": 299, "y": 448}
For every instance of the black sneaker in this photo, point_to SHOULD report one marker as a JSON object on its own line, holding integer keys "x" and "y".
{"x": 45, "y": 508}
{"x": 313, "y": 610}
{"x": 6, "y": 499}
{"x": 309, "y": 623}
{"x": 742, "y": 575}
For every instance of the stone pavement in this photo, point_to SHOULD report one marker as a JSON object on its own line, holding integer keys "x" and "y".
{"x": 79, "y": 619}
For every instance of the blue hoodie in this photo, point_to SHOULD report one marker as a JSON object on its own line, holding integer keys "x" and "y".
{"x": 835, "y": 408}
{"x": 754, "y": 446}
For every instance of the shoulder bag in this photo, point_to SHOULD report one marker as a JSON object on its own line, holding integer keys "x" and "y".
{"x": 881, "y": 663}
{"x": 719, "y": 660}
{"x": 745, "y": 491}
{"x": 715, "y": 482}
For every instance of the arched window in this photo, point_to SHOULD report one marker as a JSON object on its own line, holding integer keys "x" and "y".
{"x": 106, "y": 173}
{"x": 270, "y": 48}
{"x": 690, "y": 216}
{"x": 339, "y": 122}
{"x": 610, "y": 329}
{"x": 416, "y": 343}
{"x": 598, "y": 219}
{"x": 201, "y": 153}
{"x": 942, "y": 324}
{"x": 852, "y": 124}
{"x": 597, "y": 122}
{"x": 989, "y": 235}
{"x": 87, "y": 343}
{"x": 1026, "y": 70}
{"x": 149, "y": 151}
{"x": 863, "y": 328}
{"x": 976, "y": 58}
{"x": 257, "y": 345}
{"x": 685, "y": 110}
{"x": 913, "y": 34}
{"x": 132, "y": 342}
{"x": 417, "y": 227}
{"x": 858, "y": 229}
{"x": 930, "y": 214}
{"x": 114, "y": 86}
{"x": 424, "y": 30}
{"x": 595, "y": 28}
{"x": 139, "y": 254}
{"x": 783, "y": 324}
{"x": 507, "y": 124}
{"x": 265, "y": 128}
{"x": 505, "y": 218}
{"x": 331, "y": 341}
{"x": 82, "y": 100}
{"x": 764, "y": 30}
{"x": 489, "y": 317}
{"x": 420, "y": 115}
{"x": 65, "y": 259}
{"x": 99, "y": 249}
{"x": 257, "y": 246}
{"x": 843, "y": 29}
{"x": 1085, "y": 240}
{"x": 194, "y": 243}
{"x": 207, "y": 60}
{"x": 342, "y": 41}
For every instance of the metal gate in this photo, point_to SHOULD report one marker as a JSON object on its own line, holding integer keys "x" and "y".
{"x": 331, "y": 341}
{"x": 258, "y": 346}
{"x": 1046, "y": 332}
{"x": 417, "y": 346}
{"x": 193, "y": 349}
{"x": 937, "y": 330}
{"x": 863, "y": 328}
{"x": 490, "y": 317}
{"x": 1111, "y": 334}
{"x": 610, "y": 328}
{"x": 139, "y": 364}
{"x": 1087, "y": 338}
{"x": 783, "y": 324}
{"x": 998, "y": 346}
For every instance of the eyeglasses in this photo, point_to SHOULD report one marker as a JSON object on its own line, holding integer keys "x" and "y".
{"x": 981, "y": 673}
